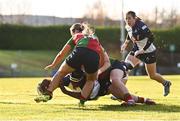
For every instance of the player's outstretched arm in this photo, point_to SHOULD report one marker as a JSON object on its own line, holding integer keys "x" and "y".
{"x": 76, "y": 95}
{"x": 59, "y": 57}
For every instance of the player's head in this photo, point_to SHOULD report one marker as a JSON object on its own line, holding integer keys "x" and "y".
{"x": 131, "y": 18}
{"x": 76, "y": 28}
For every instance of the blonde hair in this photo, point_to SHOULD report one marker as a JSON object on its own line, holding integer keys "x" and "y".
{"x": 88, "y": 29}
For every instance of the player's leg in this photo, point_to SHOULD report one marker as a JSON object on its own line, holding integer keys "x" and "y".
{"x": 118, "y": 88}
{"x": 143, "y": 100}
{"x": 131, "y": 61}
{"x": 87, "y": 88}
{"x": 60, "y": 74}
{"x": 72, "y": 62}
{"x": 124, "y": 80}
{"x": 90, "y": 63}
{"x": 75, "y": 82}
{"x": 152, "y": 73}
{"x": 150, "y": 64}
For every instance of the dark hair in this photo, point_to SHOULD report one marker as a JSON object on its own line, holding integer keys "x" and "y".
{"x": 133, "y": 14}
{"x": 77, "y": 26}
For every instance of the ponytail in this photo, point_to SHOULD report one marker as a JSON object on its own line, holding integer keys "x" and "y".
{"x": 137, "y": 18}
{"x": 88, "y": 29}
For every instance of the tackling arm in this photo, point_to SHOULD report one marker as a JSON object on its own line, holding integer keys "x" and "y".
{"x": 76, "y": 95}
{"x": 105, "y": 63}
{"x": 60, "y": 56}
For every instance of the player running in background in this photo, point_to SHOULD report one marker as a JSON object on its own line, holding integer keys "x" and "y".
{"x": 143, "y": 48}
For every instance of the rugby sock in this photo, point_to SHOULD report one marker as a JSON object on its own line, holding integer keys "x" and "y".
{"x": 127, "y": 97}
{"x": 82, "y": 97}
{"x": 165, "y": 83}
{"x": 129, "y": 66}
{"x": 141, "y": 100}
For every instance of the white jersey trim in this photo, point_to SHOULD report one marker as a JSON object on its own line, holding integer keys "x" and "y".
{"x": 142, "y": 43}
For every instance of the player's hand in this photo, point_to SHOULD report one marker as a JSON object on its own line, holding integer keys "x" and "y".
{"x": 51, "y": 66}
{"x": 99, "y": 72}
{"x": 139, "y": 52}
{"x": 123, "y": 47}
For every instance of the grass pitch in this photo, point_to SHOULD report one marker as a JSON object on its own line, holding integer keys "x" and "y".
{"x": 17, "y": 94}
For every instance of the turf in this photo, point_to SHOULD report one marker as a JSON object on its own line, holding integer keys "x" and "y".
{"x": 16, "y": 103}
{"x": 29, "y": 63}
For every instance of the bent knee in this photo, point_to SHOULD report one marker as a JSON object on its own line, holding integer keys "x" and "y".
{"x": 152, "y": 76}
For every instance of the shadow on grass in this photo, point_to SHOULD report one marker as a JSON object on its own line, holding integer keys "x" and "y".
{"x": 12, "y": 103}
{"x": 155, "y": 108}
{"x": 158, "y": 108}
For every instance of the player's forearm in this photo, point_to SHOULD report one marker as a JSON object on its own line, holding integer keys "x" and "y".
{"x": 58, "y": 59}
{"x": 106, "y": 64}
{"x": 60, "y": 56}
{"x": 87, "y": 88}
{"x": 76, "y": 95}
{"x": 104, "y": 67}
{"x": 126, "y": 41}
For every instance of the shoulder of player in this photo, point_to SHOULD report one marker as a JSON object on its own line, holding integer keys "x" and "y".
{"x": 78, "y": 36}
{"x": 140, "y": 24}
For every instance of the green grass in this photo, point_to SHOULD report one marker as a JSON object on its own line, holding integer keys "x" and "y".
{"x": 16, "y": 103}
{"x": 28, "y": 62}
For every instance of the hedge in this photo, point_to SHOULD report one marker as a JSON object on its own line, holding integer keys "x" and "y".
{"x": 18, "y": 37}
{"x": 13, "y": 37}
